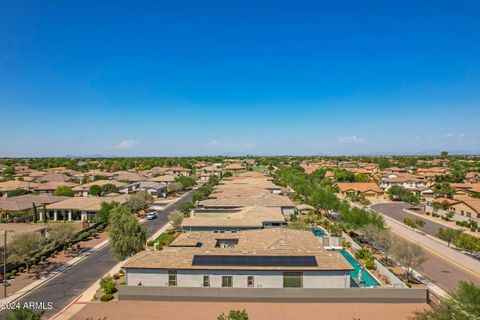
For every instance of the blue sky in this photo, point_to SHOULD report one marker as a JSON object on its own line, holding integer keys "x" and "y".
{"x": 161, "y": 78}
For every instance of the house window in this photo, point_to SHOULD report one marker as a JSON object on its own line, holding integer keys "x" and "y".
{"x": 227, "y": 281}
{"x": 250, "y": 281}
{"x": 206, "y": 281}
{"x": 172, "y": 278}
{"x": 292, "y": 279}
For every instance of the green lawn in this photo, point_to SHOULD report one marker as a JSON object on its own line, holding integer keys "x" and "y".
{"x": 165, "y": 238}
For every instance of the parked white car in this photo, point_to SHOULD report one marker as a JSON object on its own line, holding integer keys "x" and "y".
{"x": 152, "y": 215}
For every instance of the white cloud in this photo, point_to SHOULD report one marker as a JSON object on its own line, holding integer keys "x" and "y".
{"x": 125, "y": 144}
{"x": 214, "y": 143}
{"x": 351, "y": 140}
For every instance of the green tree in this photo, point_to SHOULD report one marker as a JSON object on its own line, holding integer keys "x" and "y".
{"x": 127, "y": 235}
{"x": 412, "y": 199}
{"x": 25, "y": 314}
{"x": 323, "y": 198}
{"x": 463, "y": 304}
{"x": 356, "y": 219}
{"x": 397, "y": 192}
{"x": 62, "y": 233}
{"x": 234, "y": 315}
{"x": 443, "y": 189}
{"x": 18, "y": 192}
{"x": 103, "y": 215}
{"x": 361, "y": 177}
{"x": 186, "y": 182}
{"x": 139, "y": 201}
{"x": 34, "y": 213}
{"x": 186, "y": 207}
{"x": 24, "y": 247}
{"x": 174, "y": 187}
{"x": 227, "y": 174}
{"x": 467, "y": 242}
{"x": 63, "y": 191}
{"x": 176, "y": 217}
{"x": 95, "y": 190}
{"x": 448, "y": 234}
{"x": 109, "y": 188}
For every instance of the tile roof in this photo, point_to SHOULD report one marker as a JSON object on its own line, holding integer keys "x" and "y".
{"x": 264, "y": 242}
{"x": 253, "y": 217}
{"x": 24, "y": 202}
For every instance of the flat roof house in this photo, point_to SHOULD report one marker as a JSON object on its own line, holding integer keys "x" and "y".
{"x": 233, "y": 220}
{"x": 262, "y": 200}
{"x": 266, "y": 258}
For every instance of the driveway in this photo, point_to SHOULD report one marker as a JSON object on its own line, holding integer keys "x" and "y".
{"x": 64, "y": 288}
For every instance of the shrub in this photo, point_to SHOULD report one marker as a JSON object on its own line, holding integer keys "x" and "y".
{"x": 106, "y": 297}
{"x": 370, "y": 264}
{"x": 150, "y": 243}
{"x": 42, "y": 258}
{"x": 84, "y": 236}
{"x": 108, "y": 285}
{"x": 21, "y": 269}
{"x": 159, "y": 247}
{"x": 13, "y": 273}
{"x": 8, "y": 275}
{"x": 34, "y": 261}
{"x": 116, "y": 276}
{"x": 362, "y": 254}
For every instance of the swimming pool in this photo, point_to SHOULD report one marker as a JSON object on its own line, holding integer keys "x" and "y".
{"x": 318, "y": 232}
{"x": 367, "y": 279}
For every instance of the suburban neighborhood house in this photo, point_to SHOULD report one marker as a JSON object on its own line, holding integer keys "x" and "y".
{"x": 25, "y": 202}
{"x": 233, "y": 220}
{"x": 83, "y": 190}
{"x": 267, "y": 258}
{"x": 367, "y": 189}
{"x": 79, "y": 208}
{"x": 404, "y": 180}
{"x": 157, "y": 189}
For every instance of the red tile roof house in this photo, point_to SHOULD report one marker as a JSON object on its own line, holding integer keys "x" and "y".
{"x": 368, "y": 189}
{"x": 25, "y": 202}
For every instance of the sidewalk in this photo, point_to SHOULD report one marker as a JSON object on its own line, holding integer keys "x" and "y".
{"x": 80, "y": 302}
{"x": 435, "y": 246}
{"x": 447, "y": 224}
{"x": 17, "y": 295}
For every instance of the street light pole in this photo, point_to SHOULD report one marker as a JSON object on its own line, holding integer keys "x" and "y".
{"x": 5, "y": 263}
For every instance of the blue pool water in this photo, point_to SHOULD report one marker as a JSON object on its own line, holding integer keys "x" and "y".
{"x": 367, "y": 279}
{"x": 318, "y": 232}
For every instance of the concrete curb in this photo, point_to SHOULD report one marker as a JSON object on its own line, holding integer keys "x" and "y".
{"x": 440, "y": 254}
{"x": 77, "y": 304}
{"x": 38, "y": 283}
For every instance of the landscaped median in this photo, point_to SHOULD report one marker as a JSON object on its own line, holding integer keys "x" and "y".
{"x": 53, "y": 259}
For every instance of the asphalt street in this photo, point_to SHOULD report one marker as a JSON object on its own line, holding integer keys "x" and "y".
{"x": 439, "y": 270}
{"x": 64, "y": 288}
{"x": 395, "y": 211}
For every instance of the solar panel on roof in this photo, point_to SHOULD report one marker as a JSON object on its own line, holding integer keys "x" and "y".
{"x": 254, "y": 261}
